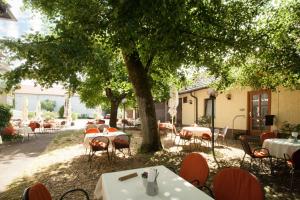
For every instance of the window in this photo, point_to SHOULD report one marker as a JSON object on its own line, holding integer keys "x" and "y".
{"x": 184, "y": 99}
{"x": 208, "y": 105}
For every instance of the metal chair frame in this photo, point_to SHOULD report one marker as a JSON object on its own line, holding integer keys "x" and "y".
{"x": 114, "y": 150}
{"x": 92, "y": 148}
{"x": 248, "y": 151}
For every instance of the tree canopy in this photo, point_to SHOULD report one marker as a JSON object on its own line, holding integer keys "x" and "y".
{"x": 155, "y": 38}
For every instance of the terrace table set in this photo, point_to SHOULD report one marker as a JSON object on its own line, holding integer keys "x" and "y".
{"x": 111, "y": 136}
{"x": 170, "y": 186}
{"x": 196, "y": 131}
{"x": 278, "y": 147}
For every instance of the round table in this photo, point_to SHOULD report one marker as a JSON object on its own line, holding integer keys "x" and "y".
{"x": 196, "y": 130}
{"x": 278, "y": 147}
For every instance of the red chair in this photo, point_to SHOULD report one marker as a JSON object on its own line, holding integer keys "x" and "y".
{"x": 100, "y": 121}
{"x": 112, "y": 129}
{"x": 267, "y": 135}
{"x": 236, "y": 184}
{"x": 120, "y": 143}
{"x": 293, "y": 165}
{"x": 258, "y": 153}
{"x": 34, "y": 125}
{"x": 99, "y": 143}
{"x": 194, "y": 169}
{"x": 92, "y": 130}
{"x": 39, "y": 192}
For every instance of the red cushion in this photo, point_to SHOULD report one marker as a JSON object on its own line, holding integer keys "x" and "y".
{"x": 98, "y": 145}
{"x": 39, "y": 192}
{"x": 261, "y": 153}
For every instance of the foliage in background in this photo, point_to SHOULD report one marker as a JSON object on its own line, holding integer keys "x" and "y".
{"x": 61, "y": 112}
{"x": 48, "y": 105}
{"x": 49, "y": 115}
{"x": 204, "y": 121}
{"x": 74, "y": 116}
{"x": 5, "y": 116}
{"x": 287, "y": 128}
{"x": 31, "y": 115}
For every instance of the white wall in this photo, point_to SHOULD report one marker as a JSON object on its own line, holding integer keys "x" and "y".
{"x": 76, "y": 105}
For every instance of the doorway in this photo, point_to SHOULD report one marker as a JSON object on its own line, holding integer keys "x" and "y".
{"x": 259, "y": 105}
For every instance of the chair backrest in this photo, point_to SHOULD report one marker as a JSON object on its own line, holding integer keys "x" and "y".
{"x": 121, "y": 141}
{"x": 267, "y": 135}
{"x": 194, "y": 167}
{"x": 100, "y": 140}
{"x": 92, "y": 130}
{"x": 88, "y": 126}
{"x": 237, "y": 184}
{"x": 224, "y": 132}
{"x": 112, "y": 129}
{"x": 36, "y": 192}
{"x": 296, "y": 159}
{"x": 100, "y": 121}
{"x": 102, "y": 126}
{"x": 245, "y": 145}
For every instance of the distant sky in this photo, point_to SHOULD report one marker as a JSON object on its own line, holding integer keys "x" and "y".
{"x": 27, "y": 21}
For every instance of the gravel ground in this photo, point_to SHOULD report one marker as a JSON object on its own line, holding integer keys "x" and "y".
{"x": 61, "y": 169}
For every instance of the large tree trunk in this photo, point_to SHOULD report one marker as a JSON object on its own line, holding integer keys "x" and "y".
{"x": 139, "y": 78}
{"x": 113, "y": 113}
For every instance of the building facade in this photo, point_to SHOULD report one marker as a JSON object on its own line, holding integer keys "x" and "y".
{"x": 57, "y": 94}
{"x": 243, "y": 109}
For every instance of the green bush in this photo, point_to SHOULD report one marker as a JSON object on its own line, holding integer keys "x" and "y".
{"x": 49, "y": 115}
{"x": 61, "y": 112}
{"x": 48, "y": 105}
{"x": 287, "y": 128}
{"x": 31, "y": 115}
{"x": 5, "y": 116}
{"x": 204, "y": 121}
{"x": 83, "y": 116}
{"x": 74, "y": 116}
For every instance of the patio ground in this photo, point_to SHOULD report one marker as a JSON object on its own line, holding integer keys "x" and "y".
{"x": 61, "y": 164}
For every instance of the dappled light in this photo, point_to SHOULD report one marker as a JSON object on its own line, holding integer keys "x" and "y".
{"x": 64, "y": 168}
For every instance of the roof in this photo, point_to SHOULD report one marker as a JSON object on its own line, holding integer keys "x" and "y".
{"x": 38, "y": 90}
{"x": 201, "y": 83}
{"x": 5, "y": 12}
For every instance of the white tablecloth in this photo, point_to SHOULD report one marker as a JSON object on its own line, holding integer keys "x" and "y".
{"x": 278, "y": 147}
{"x": 197, "y": 131}
{"x": 170, "y": 187}
{"x": 90, "y": 136}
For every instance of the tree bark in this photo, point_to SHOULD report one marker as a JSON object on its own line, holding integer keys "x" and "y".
{"x": 139, "y": 79}
{"x": 114, "y": 104}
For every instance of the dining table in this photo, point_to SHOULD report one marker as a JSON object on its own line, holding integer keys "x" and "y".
{"x": 90, "y": 136}
{"x": 197, "y": 131}
{"x": 170, "y": 186}
{"x": 279, "y": 146}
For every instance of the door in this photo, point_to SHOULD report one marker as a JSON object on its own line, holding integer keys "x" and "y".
{"x": 258, "y": 107}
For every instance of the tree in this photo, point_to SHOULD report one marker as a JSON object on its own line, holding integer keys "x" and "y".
{"x": 48, "y": 105}
{"x": 152, "y": 36}
{"x": 275, "y": 60}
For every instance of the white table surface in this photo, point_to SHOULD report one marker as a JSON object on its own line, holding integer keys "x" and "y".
{"x": 90, "y": 136}
{"x": 196, "y": 130}
{"x": 171, "y": 187}
{"x": 278, "y": 147}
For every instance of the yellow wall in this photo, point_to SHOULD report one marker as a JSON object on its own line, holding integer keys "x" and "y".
{"x": 285, "y": 104}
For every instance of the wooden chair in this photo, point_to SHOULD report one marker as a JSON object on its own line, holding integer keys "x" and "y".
{"x": 194, "y": 169}
{"x": 266, "y": 135}
{"x": 92, "y": 130}
{"x": 120, "y": 143}
{"x": 39, "y": 192}
{"x": 293, "y": 165}
{"x": 236, "y": 184}
{"x": 258, "y": 153}
{"x": 101, "y": 127}
{"x": 99, "y": 143}
{"x": 112, "y": 129}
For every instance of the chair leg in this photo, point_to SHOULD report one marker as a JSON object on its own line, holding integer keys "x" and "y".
{"x": 292, "y": 180}
{"x": 243, "y": 160}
